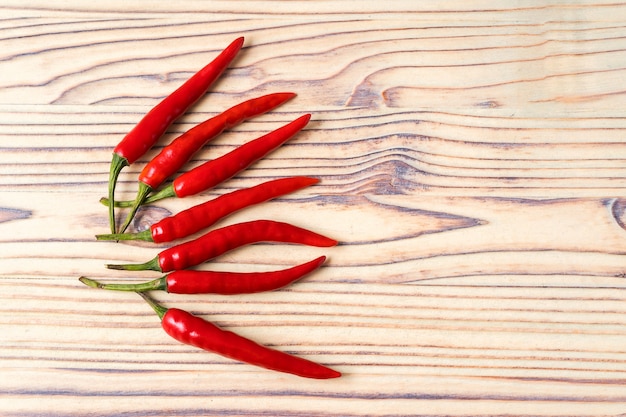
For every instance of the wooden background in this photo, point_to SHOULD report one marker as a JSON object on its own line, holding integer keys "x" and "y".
{"x": 472, "y": 160}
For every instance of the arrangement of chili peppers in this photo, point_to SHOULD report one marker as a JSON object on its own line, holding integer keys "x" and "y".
{"x": 149, "y": 129}
{"x": 179, "y": 259}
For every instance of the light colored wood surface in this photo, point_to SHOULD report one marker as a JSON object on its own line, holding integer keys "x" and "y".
{"x": 472, "y": 159}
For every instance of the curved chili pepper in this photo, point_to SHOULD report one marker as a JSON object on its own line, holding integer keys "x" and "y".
{"x": 177, "y": 153}
{"x": 224, "y": 167}
{"x": 195, "y": 331}
{"x": 219, "y": 241}
{"x": 202, "y": 216}
{"x": 216, "y": 282}
{"x": 156, "y": 121}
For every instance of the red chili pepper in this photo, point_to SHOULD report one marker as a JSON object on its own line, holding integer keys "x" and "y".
{"x": 195, "y": 331}
{"x": 219, "y": 241}
{"x": 177, "y": 153}
{"x": 202, "y": 216}
{"x": 217, "y": 282}
{"x": 155, "y": 123}
{"x": 224, "y": 167}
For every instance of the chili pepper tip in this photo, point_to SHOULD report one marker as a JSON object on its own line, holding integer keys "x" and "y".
{"x": 325, "y": 373}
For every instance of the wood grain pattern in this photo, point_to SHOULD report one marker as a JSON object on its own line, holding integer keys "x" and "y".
{"x": 472, "y": 159}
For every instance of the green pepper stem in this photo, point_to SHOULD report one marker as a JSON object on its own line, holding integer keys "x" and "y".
{"x": 152, "y": 265}
{"x": 159, "y": 309}
{"x": 159, "y": 284}
{"x": 142, "y": 194}
{"x": 117, "y": 164}
{"x": 146, "y": 235}
{"x": 164, "y": 193}
{"x": 123, "y": 204}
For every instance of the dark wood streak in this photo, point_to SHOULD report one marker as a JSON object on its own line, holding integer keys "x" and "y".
{"x": 10, "y": 214}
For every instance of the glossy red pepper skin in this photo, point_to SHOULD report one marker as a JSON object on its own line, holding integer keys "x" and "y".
{"x": 220, "y": 241}
{"x": 224, "y": 167}
{"x": 216, "y": 282}
{"x": 230, "y": 283}
{"x": 177, "y": 153}
{"x": 202, "y": 216}
{"x": 152, "y": 126}
{"x": 141, "y": 138}
{"x": 194, "y": 331}
{"x": 227, "y": 238}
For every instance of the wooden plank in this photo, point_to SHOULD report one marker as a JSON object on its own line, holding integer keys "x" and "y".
{"x": 472, "y": 166}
